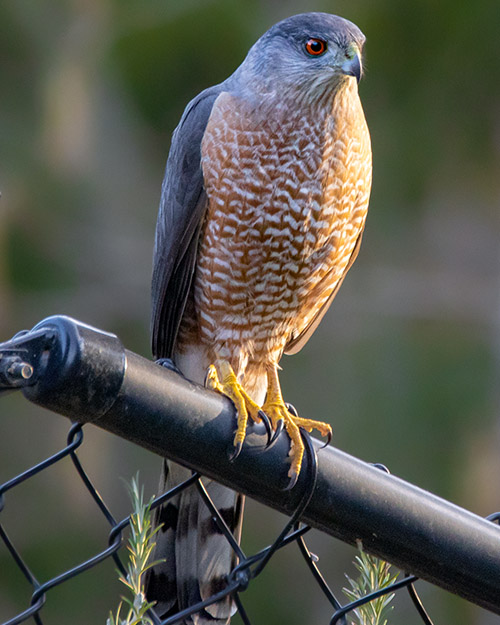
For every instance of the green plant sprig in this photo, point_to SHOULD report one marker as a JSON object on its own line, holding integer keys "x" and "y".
{"x": 140, "y": 547}
{"x": 374, "y": 574}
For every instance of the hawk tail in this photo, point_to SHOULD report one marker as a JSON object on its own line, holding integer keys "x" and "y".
{"x": 197, "y": 556}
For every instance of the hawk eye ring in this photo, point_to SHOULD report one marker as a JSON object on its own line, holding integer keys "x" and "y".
{"x": 315, "y": 47}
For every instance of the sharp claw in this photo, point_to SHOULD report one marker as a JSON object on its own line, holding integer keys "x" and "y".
{"x": 293, "y": 481}
{"x": 206, "y": 381}
{"x": 277, "y": 431}
{"x": 328, "y": 440}
{"x": 236, "y": 452}
{"x": 291, "y": 409}
{"x": 267, "y": 425}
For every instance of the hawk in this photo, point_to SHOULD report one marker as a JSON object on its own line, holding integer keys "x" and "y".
{"x": 262, "y": 210}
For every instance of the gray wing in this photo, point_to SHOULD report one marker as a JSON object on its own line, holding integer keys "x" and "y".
{"x": 182, "y": 208}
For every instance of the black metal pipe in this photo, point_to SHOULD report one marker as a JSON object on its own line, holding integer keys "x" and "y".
{"x": 89, "y": 376}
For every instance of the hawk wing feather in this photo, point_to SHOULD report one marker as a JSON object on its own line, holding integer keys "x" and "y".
{"x": 182, "y": 208}
{"x": 197, "y": 557}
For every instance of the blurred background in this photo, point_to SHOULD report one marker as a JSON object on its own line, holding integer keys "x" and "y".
{"x": 406, "y": 364}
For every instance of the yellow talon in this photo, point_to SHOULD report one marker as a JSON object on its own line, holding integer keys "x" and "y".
{"x": 276, "y": 410}
{"x": 309, "y": 424}
{"x": 212, "y": 380}
{"x": 229, "y": 386}
{"x": 221, "y": 378}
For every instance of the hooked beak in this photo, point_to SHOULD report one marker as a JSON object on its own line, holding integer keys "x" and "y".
{"x": 352, "y": 66}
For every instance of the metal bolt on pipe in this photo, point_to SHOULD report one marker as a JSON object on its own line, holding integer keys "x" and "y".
{"x": 87, "y": 375}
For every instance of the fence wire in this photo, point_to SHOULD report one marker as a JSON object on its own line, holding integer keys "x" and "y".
{"x": 248, "y": 566}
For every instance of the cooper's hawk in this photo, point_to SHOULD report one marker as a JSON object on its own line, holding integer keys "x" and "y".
{"x": 262, "y": 210}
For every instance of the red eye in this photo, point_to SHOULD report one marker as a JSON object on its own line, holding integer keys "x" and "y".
{"x": 315, "y": 47}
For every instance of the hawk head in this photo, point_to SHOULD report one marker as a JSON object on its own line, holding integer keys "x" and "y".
{"x": 309, "y": 53}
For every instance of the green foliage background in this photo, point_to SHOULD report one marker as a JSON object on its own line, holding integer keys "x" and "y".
{"x": 406, "y": 364}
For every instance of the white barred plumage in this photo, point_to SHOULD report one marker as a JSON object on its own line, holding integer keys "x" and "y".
{"x": 277, "y": 237}
{"x": 263, "y": 207}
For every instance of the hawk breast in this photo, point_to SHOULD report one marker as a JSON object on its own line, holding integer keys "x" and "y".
{"x": 287, "y": 199}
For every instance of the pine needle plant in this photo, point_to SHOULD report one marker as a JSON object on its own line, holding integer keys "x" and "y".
{"x": 140, "y": 547}
{"x": 373, "y": 574}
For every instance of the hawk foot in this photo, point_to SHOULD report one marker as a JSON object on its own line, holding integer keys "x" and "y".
{"x": 223, "y": 380}
{"x": 281, "y": 416}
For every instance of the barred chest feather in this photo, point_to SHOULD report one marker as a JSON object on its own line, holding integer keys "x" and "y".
{"x": 288, "y": 189}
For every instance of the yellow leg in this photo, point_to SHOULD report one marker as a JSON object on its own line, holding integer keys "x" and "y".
{"x": 221, "y": 378}
{"x": 276, "y": 410}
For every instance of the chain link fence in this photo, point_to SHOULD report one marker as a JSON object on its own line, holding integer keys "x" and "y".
{"x": 20, "y": 360}
{"x": 247, "y": 569}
